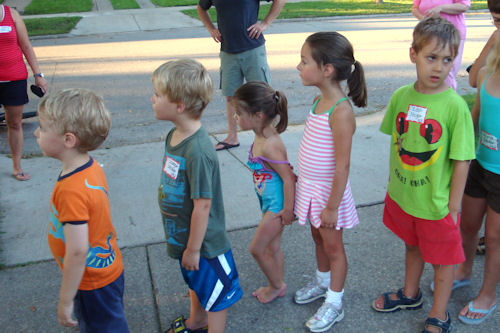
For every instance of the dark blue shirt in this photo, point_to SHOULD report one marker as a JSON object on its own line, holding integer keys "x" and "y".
{"x": 233, "y": 19}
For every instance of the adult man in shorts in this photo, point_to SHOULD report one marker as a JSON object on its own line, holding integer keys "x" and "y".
{"x": 242, "y": 53}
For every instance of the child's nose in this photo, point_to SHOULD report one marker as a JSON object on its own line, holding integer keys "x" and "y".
{"x": 36, "y": 132}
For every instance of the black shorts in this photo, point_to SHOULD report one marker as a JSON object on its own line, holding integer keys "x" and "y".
{"x": 14, "y": 93}
{"x": 482, "y": 183}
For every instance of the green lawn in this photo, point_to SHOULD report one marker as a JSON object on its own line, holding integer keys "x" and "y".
{"x": 330, "y": 8}
{"x": 470, "y": 99}
{"x": 57, "y": 6}
{"x": 51, "y": 26}
{"x": 173, "y": 3}
{"x": 124, "y": 4}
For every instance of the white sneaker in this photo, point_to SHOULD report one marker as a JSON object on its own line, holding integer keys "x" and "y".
{"x": 311, "y": 292}
{"x": 326, "y": 316}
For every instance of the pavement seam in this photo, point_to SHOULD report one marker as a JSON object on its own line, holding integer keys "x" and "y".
{"x": 153, "y": 290}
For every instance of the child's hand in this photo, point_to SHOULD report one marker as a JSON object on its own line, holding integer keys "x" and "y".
{"x": 64, "y": 314}
{"x": 329, "y": 218}
{"x": 191, "y": 260}
{"x": 286, "y": 216}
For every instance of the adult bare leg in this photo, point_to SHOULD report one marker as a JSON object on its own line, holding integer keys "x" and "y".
{"x": 232, "y": 126}
{"x": 13, "y": 118}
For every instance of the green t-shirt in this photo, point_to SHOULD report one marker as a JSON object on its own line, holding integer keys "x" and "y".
{"x": 190, "y": 171}
{"x": 428, "y": 133}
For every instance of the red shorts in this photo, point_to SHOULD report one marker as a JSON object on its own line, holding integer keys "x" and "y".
{"x": 439, "y": 241}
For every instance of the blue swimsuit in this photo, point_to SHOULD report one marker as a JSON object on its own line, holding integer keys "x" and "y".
{"x": 268, "y": 183}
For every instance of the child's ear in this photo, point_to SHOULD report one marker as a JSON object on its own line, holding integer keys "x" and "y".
{"x": 413, "y": 55}
{"x": 180, "y": 107}
{"x": 328, "y": 70}
{"x": 70, "y": 140}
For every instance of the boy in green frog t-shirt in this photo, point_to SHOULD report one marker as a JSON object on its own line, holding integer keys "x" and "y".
{"x": 432, "y": 143}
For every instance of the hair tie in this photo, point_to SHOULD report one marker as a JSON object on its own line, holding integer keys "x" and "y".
{"x": 276, "y": 96}
{"x": 353, "y": 66}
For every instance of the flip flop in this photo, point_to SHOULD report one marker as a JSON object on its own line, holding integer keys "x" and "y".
{"x": 456, "y": 284}
{"x": 475, "y": 321}
{"x": 21, "y": 176}
{"x": 226, "y": 145}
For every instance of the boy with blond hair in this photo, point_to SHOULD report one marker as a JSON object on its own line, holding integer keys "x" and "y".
{"x": 81, "y": 236}
{"x": 432, "y": 143}
{"x": 190, "y": 197}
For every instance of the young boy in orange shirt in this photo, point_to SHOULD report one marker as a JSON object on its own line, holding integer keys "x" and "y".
{"x": 81, "y": 236}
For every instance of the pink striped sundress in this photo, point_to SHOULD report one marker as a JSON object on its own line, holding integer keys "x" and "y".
{"x": 316, "y": 168}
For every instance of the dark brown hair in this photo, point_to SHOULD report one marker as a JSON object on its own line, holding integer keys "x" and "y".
{"x": 256, "y": 96}
{"x": 333, "y": 48}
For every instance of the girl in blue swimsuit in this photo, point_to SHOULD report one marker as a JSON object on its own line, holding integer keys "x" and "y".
{"x": 257, "y": 105}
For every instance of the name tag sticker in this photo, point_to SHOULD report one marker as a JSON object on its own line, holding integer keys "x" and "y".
{"x": 489, "y": 141}
{"x": 5, "y": 28}
{"x": 416, "y": 114}
{"x": 171, "y": 167}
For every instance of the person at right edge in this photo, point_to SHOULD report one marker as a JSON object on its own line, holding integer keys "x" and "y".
{"x": 431, "y": 146}
{"x": 242, "y": 51}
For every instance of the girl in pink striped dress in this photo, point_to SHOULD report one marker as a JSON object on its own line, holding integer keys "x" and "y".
{"x": 323, "y": 196}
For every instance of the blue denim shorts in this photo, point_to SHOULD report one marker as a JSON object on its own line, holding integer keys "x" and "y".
{"x": 250, "y": 65}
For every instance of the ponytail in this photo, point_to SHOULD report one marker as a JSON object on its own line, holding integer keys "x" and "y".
{"x": 281, "y": 110}
{"x": 357, "y": 85}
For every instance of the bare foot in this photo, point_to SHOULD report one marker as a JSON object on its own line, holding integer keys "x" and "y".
{"x": 269, "y": 294}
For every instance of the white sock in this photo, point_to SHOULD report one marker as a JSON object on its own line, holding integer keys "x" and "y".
{"x": 323, "y": 278}
{"x": 335, "y": 298}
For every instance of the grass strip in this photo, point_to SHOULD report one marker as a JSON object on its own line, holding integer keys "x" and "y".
{"x": 124, "y": 4}
{"x": 174, "y": 3}
{"x": 51, "y": 26}
{"x": 335, "y": 8}
{"x": 57, "y": 6}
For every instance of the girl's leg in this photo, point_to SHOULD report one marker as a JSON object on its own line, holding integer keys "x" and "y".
{"x": 333, "y": 250}
{"x": 414, "y": 266}
{"x": 14, "y": 117}
{"x": 471, "y": 219}
{"x": 217, "y": 321}
{"x": 321, "y": 257}
{"x": 266, "y": 249}
{"x": 487, "y": 295}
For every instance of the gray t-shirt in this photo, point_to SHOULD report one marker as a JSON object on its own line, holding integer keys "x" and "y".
{"x": 191, "y": 171}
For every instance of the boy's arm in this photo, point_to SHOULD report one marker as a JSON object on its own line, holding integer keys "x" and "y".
{"x": 207, "y": 22}
{"x": 481, "y": 60}
{"x": 198, "y": 228}
{"x": 77, "y": 247}
{"x": 458, "y": 179}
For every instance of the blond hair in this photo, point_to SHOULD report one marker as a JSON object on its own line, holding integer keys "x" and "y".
{"x": 442, "y": 30}
{"x": 493, "y": 59}
{"x": 77, "y": 111}
{"x": 186, "y": 81}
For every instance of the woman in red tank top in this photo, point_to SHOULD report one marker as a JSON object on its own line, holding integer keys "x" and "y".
{"x": 14, "y": 43}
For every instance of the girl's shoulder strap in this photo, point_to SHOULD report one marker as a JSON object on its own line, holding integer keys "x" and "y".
{"x": 335, "y": 105}
{"x": 316, "y": 101}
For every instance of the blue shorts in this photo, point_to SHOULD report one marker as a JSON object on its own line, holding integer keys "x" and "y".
{"x": 14, "y": 93}
{"x": 216, "y": 283}
{"x": 101, "y": 310}
{"x": 250, "y": 65}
